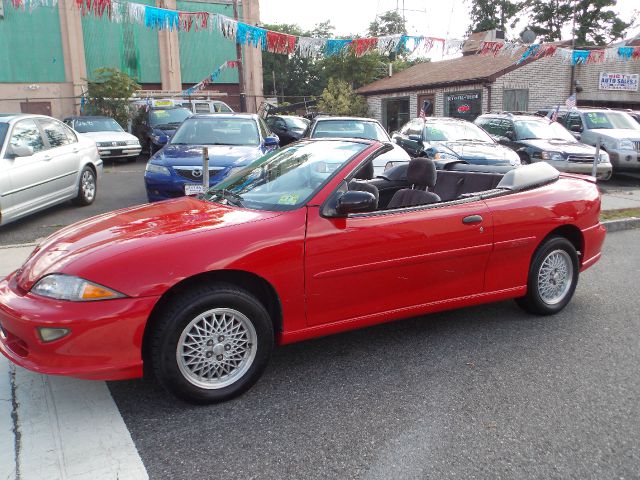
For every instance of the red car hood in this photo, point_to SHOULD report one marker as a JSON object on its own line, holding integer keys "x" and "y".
{"x": 127, "y": 229}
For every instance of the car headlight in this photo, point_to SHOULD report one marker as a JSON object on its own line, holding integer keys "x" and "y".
{"x": 75, "y": 289}
{"x": 625, "y": 144}
{"x": 553, "y": 156}
{"x": 133, "y": 142}
{"x": 159, "y": 169}
{"x": 104, "y": 144}
{"x": 604, "y": 157}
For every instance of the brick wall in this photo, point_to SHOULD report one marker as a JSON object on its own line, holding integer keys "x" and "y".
{"x": 546, "y": 79}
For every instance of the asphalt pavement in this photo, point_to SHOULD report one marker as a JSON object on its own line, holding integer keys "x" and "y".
{"x": 488, "y": 392}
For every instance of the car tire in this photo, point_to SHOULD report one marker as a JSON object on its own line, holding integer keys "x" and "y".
{"x": 87, "y": 188}
{"x": 552, "y": 279}
{"x": 211, "y": 344}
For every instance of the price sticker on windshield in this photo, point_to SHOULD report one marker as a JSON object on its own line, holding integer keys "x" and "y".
{"x": 289, "y": 199}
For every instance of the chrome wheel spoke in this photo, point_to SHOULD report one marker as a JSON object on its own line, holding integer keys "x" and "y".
{"x": 555, "y": 277}
{"x": 216, "y": 348}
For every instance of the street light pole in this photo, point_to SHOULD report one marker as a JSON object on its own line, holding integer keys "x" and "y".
{"x": 243, "y": 106}
{"x": 573, "y": 47}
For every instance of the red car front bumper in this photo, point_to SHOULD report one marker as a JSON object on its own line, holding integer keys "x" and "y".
{"x": 104, "y": 343}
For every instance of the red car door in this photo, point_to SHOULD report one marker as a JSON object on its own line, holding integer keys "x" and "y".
{"x": 384, "y": 263}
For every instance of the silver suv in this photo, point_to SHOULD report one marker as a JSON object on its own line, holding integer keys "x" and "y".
{"x": 618, "y": 133}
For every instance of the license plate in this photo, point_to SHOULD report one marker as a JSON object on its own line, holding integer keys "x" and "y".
{"x": 193, "y": 189}
{"x": 106, "y": 152}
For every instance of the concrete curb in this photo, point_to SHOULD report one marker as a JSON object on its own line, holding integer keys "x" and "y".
{"x": 621, "y": 224}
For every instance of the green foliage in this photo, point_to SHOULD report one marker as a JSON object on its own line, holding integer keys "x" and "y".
{"x": 387, "y": 24}
{"x": 340, "y": 99}
{"x": 109, "y": 94}
{"x": 596, "y": 23}
{"x": 492, "y": 14}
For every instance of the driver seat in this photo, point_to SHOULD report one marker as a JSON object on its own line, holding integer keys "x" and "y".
{"x": 422, "y": 175}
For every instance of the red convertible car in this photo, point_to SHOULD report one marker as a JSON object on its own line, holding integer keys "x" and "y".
{"x": 302, "y": 243}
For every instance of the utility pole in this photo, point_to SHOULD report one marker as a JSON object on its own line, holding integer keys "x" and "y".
{"x": 243, "y": 106}
{"x": 573, "y": 47}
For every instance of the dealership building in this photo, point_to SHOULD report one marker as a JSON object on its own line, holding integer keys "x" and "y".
{"x": 473, "y": 84}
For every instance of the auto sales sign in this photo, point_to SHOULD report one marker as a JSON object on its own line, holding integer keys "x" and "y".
{"x": 619, "y": 81}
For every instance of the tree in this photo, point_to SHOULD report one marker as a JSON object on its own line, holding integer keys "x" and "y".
{"x": 109, "y": 94}
{"x": 596, "y": 23}
{"x": 494, "y": 14}
{"x": 389, "y": 23}
{"x": 340, "y": 99}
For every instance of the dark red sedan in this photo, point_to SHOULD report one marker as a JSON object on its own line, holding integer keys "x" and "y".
{"x": 302, "y": 243}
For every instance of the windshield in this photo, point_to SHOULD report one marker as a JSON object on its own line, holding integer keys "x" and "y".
{"x": 4, "y": 128}
{"x": 84, "y": 125}
{"x": 610, "y": 120}
{"x": 294, "y": 122}
{"x": 451, "y": 131}
{"x": 349, "y": 129}
{"x": 217, "y": 131}
{"x": 287, "y": 178}
{"x": 171, "y": 117}
{"x": 526, "y": 129}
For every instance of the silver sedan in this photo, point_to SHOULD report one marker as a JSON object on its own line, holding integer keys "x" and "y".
{"x": 43, "y": 162}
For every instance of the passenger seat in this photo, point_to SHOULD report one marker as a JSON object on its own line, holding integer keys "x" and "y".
{"x": 421, "y": 175}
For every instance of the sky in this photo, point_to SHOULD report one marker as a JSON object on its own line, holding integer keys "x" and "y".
{"x": 433, "y": 18}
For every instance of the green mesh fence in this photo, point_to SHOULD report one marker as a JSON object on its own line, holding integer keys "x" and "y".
{"x": 130, "y": 47}
{"x": 30, "y": 46}
{"x": 203, "y": 51}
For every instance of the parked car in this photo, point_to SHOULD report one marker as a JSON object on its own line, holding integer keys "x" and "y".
{"x": 234, "y": 140}
{"x": 110, "y": 137}
{"x": 197, "y": 291}
{"x": 155, "y": 126}
{"x": 354, "y": 127}
{"x": 43, "y": 162}
{"x": 617, "y": 132}
{"x": 537, "y": 139}
{"x": 205, "y": 106}
{"x": 444, "y": 138}
{"x": 289, "y": 128}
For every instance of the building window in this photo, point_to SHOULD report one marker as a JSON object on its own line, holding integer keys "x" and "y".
{"x": 395, "y": 113}
{"x": 515, "y": 100}
{"x": 467, "y": 105}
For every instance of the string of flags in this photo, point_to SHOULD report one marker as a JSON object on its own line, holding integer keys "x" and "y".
{"x": 568, "y": 55}
{"x": 210, "y": 78}
{"x": 245, "y": 34}
{"x": 276, "y": 42}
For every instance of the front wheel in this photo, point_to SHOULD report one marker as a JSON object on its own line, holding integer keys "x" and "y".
{"x": 211, "y": 344}
{"x": 87, "y": 187}
{"x": 553, "y": 277}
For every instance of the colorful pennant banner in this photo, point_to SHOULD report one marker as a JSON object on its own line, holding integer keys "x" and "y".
{"x": 245, "y": 34}
{"x": 210, "y": 78}
{"x": 575, "y": 57}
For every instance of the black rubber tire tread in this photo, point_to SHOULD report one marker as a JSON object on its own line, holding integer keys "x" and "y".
{"x": 532, "y": 302}
{"x": 80, "y": 199}
{"x": 169, "y": 326}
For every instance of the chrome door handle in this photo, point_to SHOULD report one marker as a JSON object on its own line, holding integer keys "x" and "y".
{"x": 46, "y": 157}
{"x": 472, "y": 219}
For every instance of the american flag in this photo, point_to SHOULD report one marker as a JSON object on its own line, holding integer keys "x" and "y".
{"x": 571, "y": 102}
{"x": 422, "y": 115}
{"x": 554, "y": 115}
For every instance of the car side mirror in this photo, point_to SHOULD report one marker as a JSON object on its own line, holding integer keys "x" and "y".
{"x": 14, "y": 151}
{"x": 510, "y": 135}
{"x": 576, "y": 128}
{"x": 356, "y": 202}
{"x": 271, "y": 141}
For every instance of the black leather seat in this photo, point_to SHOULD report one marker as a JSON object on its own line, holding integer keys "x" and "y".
{"x": 421, "y": 175}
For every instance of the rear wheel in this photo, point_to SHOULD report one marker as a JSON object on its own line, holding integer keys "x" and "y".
{"x": 87, "y": 188}
{"x": 211, "y": 344}
{"x": 553, "y": 277}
